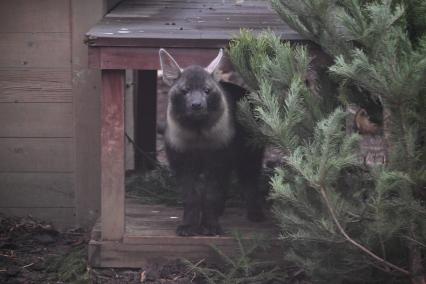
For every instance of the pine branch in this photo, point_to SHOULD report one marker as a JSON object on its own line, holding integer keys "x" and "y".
{"x": 352, "y": 241}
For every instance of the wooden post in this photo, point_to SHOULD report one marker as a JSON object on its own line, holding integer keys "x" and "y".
{"x": 145, "y": 120}
{"x": 112, "y": 154}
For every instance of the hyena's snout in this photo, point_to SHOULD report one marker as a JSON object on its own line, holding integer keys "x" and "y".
{"x": 196, "y": 103}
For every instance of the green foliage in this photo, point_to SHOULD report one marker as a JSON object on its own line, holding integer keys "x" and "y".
{"x": 393, "y": 70}
{"x": 339, "y": 26}
{"x": 154, "y": 187}
{"x": 307, "y": 17}
{"x": 339, "y": 221}
{"x": 71, "y": 268}
{"x": 283, "y": 106}
{"x": 416, "y": 18}
{"x": 244, "y": 268}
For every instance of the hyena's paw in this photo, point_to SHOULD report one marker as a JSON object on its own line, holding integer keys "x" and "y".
{"x": 211, "y": 230}
{"x": 255, "y": 215}
{"x": 187, "y": 230}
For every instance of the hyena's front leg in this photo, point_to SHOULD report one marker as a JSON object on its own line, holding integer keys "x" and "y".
{"x": 214, "y": 197}
{"x": 211, "y": 211}
{"x": 191, "y": 211}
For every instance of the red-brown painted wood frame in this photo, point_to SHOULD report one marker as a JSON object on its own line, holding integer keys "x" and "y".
{"x": 112, "y": 154}
{"x": 140, "y": 58}
{"x": 113, "y": 61}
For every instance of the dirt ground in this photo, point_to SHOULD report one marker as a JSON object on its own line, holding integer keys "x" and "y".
{"x": 32, "y": 251}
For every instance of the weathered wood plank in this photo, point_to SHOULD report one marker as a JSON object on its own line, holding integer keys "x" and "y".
{"x": 35, "y": 85}
{"x": 116, "y": 254}
{"x": 129, "y": 100}
{"x": 42, "y": 50}
{"x": 112, "y": 154}
{"x": 161, "y": 221}
{"x": 61, "y": 218}
{"x": 171, "y": 222}
{"x": 158, "y": 250}
{"x": 146, "y": 58}
{"x": 86, "y": 92}
{"x": 36, "y": 155}
{"x": 155, "y": 232}
{"x": 168, "y": 217}
{"x": 36, "y": 190}
{"x": 36, "y": 120}
{"x": 185, "y": 23}
{"x": 150, "y": 236}
{"x": 179, "y": 241}
{"x": 34, "y": 16}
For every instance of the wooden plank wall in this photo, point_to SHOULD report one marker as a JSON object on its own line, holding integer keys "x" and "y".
{"x": 49, "y": 110}
{"x": 86, "y": 94}
{"x": 86, "y": 88}
{"x": 36, "y": 110}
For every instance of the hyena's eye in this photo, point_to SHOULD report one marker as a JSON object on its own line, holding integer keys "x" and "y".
{"x": 206, "y": 90}
{"x": 185, "y": 90}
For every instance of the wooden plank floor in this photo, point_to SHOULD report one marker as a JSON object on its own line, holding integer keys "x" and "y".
{"x": 160, "y": 220}
{"x": 184, "y": 23}
{"x": 150, "y": 237}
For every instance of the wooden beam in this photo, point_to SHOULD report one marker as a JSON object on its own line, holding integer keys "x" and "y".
{"x": 112, "y": 154}
{"x": 146, "y": 58}
{"x": 141, "y": 251}
{"x": 86, "y": 93}
{"x": 129, "y": 118}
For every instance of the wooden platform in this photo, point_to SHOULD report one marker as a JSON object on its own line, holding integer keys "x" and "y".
{"x": 150, "y": 237}
{"x": 184, "y": 23}
{"x": 129, "y": 38}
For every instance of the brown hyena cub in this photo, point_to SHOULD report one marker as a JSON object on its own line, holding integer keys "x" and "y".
{"x": 205, "y": 144}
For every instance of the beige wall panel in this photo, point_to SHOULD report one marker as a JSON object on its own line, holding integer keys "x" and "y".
{"x": 35, "y": 85}
{"x": 34, "y": 16}
{"x": 36, "y": 120}
{"x": 42, "y": 50}
{"x": 36, "y": 190}
{"x": 36, "y": 155}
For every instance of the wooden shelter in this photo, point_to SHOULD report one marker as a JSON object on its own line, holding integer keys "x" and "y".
{"x": 129, "y": 37}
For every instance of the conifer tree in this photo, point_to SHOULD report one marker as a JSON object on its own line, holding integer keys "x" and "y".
{"x": 342, "y": 222}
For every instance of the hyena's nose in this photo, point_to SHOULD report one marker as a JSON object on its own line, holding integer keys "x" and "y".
{"x": 196, "y": 105}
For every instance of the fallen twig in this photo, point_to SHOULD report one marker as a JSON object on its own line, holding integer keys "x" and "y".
{"x": 28, "y": 265}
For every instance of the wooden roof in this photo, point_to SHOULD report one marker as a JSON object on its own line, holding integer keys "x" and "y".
{"x": 184, "y": 23}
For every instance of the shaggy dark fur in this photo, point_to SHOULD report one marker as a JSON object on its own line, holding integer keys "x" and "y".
{"x": 205, "y": 144}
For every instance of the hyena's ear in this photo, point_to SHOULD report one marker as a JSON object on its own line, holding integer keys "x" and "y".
{"x": 170, "y": 68}
{"x": 215, "y": 64}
